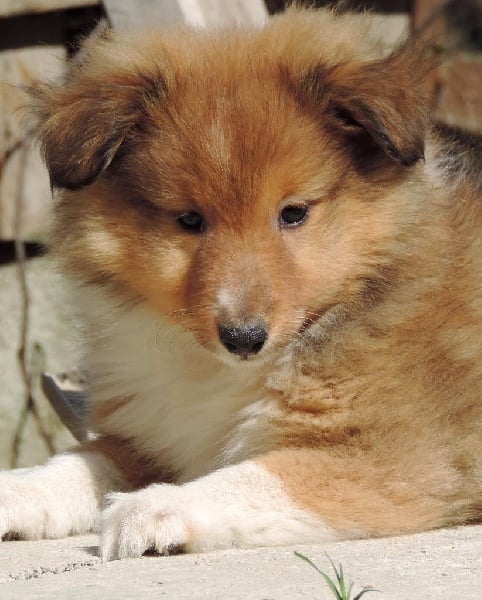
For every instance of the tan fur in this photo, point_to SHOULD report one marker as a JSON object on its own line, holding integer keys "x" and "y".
{"x": 372, "y": 372}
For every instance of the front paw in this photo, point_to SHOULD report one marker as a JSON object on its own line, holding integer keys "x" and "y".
{"x": 29, "y": 510}
{"x": 150, "y": 519}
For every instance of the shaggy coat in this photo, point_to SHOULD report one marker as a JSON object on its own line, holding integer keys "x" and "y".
{"x": 278, "y": 259}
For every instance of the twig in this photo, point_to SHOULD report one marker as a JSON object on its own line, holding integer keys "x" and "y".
{"x": 9, "y": 153}
{"x": 30, "y": 406}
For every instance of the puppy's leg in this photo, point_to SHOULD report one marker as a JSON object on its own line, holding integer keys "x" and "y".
{"x": 62, "y": 497}
{"x": 290, "y": 496}
{"x": 241, "y": 505}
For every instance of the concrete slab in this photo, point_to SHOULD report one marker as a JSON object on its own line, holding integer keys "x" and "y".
{"x": 445, "y": 564}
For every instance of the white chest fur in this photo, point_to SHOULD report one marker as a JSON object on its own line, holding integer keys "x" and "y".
{"x": 185, "y": 408}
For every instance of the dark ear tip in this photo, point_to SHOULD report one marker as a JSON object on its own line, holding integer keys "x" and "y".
{"x": 63, "y": 184}
{"x": 69, "y": 174}
{"x": 344, "y": 117}
{"x": 62, "y": 180}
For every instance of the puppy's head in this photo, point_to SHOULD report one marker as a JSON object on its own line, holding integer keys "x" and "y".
{"x": 246, "y": 184}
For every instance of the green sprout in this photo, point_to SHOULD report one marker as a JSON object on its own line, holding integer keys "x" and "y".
{"x": 339, "y": 589}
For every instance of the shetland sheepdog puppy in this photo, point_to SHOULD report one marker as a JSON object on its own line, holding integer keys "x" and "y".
{"x": 278, "y": 260}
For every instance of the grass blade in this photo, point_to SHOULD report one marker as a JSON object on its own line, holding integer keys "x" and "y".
{"x": 327, "y": 579}
{"x": 332, "y": 586}
{"x": 310, "y": 562}
{"x": 348, "y": 596}
{"x": 340, "y": 592}
{"x": 341, "y": 583}
{"x": 340, "y": 578}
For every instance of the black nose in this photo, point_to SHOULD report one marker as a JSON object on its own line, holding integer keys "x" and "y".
{"x": 243, "y": 340}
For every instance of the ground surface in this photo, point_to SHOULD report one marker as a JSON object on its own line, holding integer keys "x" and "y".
{"x": 433, "y": 566}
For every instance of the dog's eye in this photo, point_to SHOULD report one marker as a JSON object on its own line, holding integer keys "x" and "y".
{"x": 293, "y": 215}
{"x": 192, "y": 221}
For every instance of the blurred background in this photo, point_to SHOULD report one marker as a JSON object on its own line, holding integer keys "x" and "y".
{"x": 37, "y": 39}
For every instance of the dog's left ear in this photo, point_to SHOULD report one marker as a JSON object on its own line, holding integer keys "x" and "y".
{"x": 383, "y": 99}
{"x": 82, "y": 123}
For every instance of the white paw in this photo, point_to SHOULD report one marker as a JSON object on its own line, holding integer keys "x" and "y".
{"x": 29, "y": 510}
{"x": 154, "y": 518}
{"x": 55, "y": 500}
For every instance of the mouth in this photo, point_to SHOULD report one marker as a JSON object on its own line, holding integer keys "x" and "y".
{"x": 243, "y": 360}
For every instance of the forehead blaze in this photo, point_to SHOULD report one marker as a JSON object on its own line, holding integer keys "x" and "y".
{"x": 233, "y": 149}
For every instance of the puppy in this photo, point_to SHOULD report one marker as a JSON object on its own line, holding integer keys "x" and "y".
{"x": 279, "y": 262}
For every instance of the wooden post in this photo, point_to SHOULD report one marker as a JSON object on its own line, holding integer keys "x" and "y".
{"x": 199, "y": 13}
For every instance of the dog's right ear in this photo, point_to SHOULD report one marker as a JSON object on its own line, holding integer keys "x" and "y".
{"x": 82, "y": 124}
{"x": 380, "y": 100}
